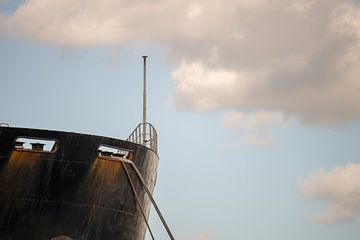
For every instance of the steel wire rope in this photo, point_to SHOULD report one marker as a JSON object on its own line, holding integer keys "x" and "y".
{"x": 137, "y": 198}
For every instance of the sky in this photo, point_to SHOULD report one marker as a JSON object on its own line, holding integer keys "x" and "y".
{"x": 256, "y": 103}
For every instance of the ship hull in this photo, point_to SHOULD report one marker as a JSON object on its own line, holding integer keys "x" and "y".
{"x": 72, "y": 193}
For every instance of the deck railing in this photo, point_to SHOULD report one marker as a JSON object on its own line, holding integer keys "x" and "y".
{"x": 145, "y": 134}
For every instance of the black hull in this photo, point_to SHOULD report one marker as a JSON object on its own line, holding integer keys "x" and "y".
{"x": 71, "y": 193}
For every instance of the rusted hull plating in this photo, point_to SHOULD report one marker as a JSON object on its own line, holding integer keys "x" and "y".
{"x": 71, "y": 193}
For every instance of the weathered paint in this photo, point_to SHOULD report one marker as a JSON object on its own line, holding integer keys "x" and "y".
{"x": 71, "y": 192}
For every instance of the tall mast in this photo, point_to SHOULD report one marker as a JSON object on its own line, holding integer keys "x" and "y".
{"x": 144, "y": 101}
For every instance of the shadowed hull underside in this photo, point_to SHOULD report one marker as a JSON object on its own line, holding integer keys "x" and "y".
{"x": 71, "y": 193}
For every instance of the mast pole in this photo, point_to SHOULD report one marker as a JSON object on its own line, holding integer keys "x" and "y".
{"x": 144, "y": 102}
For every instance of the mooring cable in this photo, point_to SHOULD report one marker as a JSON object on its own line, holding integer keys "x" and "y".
{"x": 137, "y": 198}
{"x": 149, "y": 195}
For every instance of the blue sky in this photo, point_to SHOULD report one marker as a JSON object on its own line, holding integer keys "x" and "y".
{"x": 258, "y": 126}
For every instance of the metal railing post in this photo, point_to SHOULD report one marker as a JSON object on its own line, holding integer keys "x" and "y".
{"x": 147, "y": 138}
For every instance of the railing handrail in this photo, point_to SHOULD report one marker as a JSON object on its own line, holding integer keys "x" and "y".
{"x": 145, "y": 134}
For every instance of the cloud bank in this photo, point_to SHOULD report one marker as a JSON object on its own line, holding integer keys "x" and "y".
{"x": 340, "y": 188}
{"x": 296, "y": 57}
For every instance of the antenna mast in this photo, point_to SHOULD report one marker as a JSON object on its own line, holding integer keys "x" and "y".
{"x": 144, "y": 101}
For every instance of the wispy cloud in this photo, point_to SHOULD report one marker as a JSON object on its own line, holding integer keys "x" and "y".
{"x": 202, "y": 236}
{"x": 255, "y": 128}
{"x": 340, "y": 188}
{"x": 294, "y": 57}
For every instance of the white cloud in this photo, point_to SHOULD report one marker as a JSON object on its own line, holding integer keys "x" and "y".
{"x": 347, "y": 20}
{"x": 255, "y": 128}
{"x": 195, "y": 11}
{"x": 302, "y": 6}
{"x": 300, "y": 65}
{"x": 290, "y": 56}
{"x": 340, "y": 188}
{"x": 204, "y": 88}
